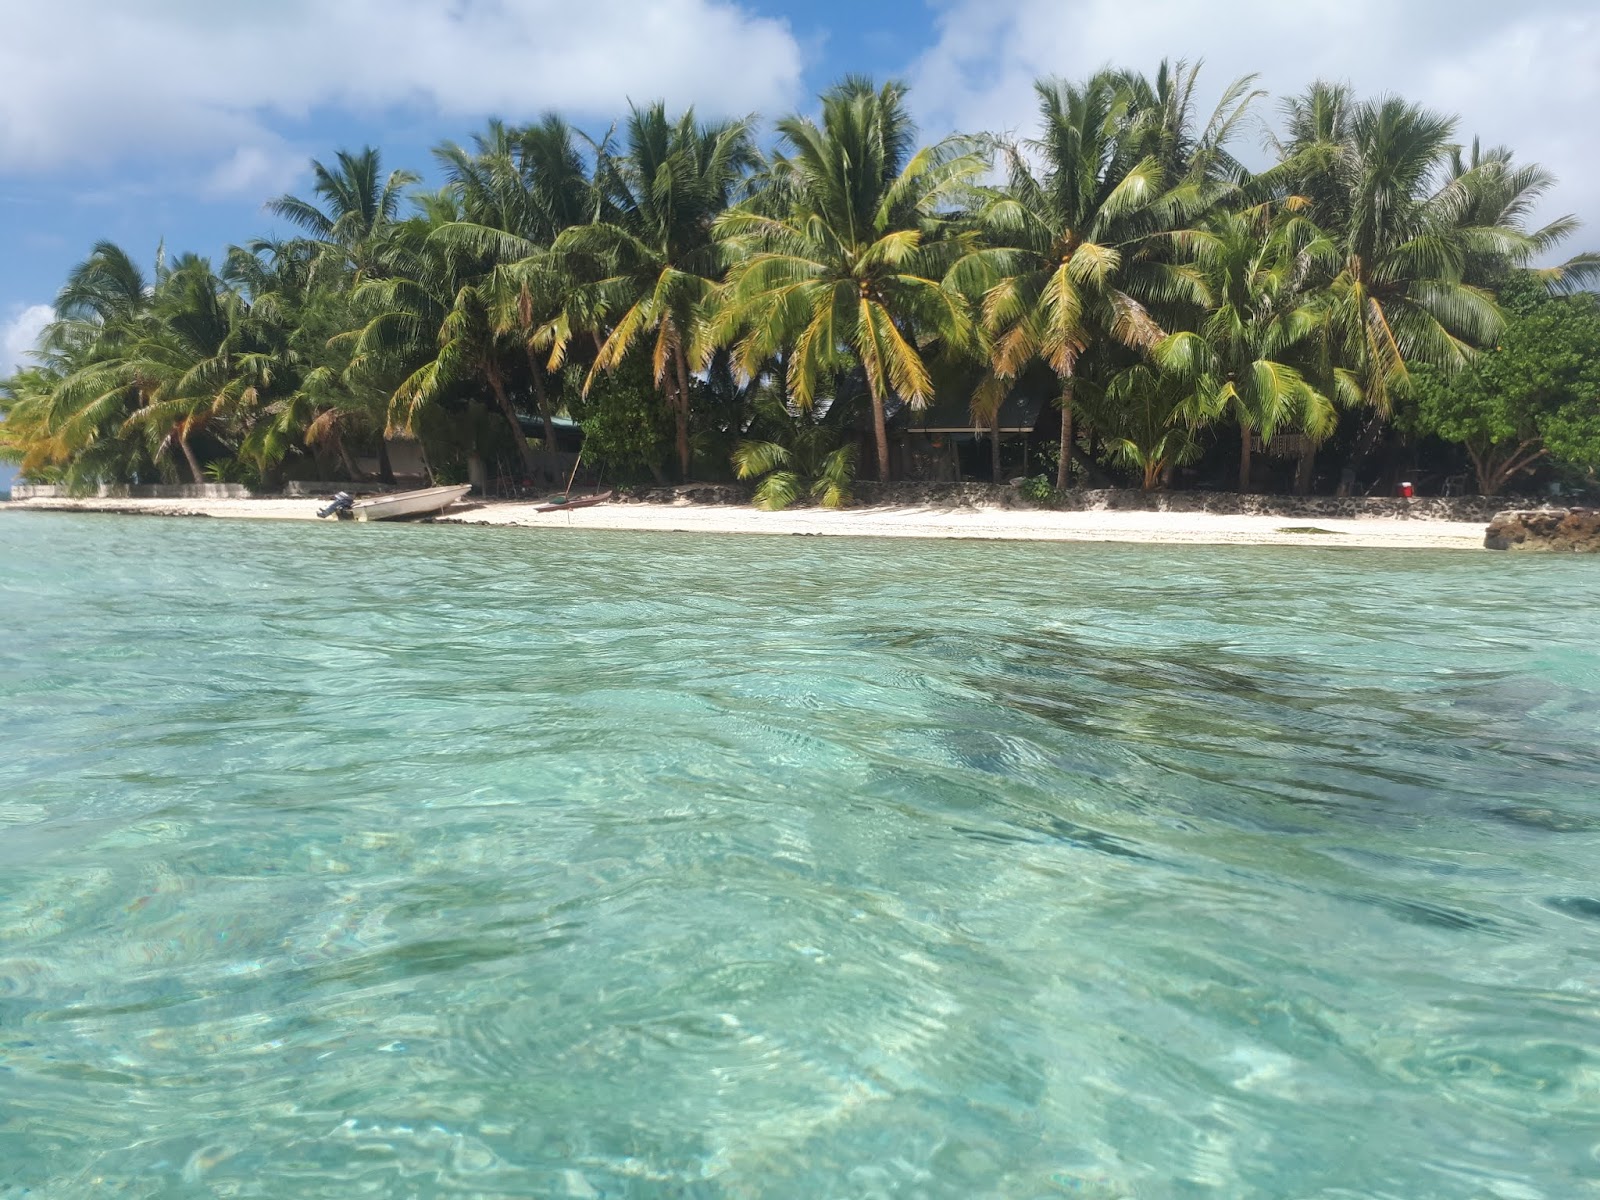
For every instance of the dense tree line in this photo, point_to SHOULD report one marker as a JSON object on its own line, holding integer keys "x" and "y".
{"x": 704, "y": 308}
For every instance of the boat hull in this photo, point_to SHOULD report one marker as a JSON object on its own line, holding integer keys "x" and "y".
{"x": 409, "y": 504}
{"x": 578, "y": 502}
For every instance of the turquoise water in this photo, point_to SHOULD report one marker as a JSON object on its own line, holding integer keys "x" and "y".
{"x": 344, "y": 861}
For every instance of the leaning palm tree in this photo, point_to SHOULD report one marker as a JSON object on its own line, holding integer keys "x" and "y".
{"x": 840, "y": 262}
{"x": 1239, "y": 362}
{"x": 77, "y": 406}
{"x": 648, "y": 263}
{"x": 1084, "y": 242}
{"x": 187, "y": 367}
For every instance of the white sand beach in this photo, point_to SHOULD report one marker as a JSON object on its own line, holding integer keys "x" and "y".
{"x": 900, "y": 521}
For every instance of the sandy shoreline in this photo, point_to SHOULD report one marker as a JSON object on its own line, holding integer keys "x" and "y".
{"x": 983, "y": 523}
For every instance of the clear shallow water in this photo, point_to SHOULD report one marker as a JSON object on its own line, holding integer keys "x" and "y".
{"x": 344, "y": 861}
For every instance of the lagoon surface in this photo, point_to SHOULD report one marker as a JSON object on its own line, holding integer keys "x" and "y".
{"x": 345, "y": 861}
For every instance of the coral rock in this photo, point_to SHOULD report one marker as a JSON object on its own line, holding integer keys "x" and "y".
{"x": 1545, "y": 529}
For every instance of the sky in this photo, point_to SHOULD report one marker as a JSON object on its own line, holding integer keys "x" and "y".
{"x": 151, "y": 121}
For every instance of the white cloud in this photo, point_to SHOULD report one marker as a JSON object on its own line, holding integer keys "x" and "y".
{"x": 19, "y": 335}
{"x": 1524, "y": 75}
{"x": 263, "y": 170}
{"x": 89, "y": 83}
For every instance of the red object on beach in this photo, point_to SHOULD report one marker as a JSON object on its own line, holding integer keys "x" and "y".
{"x": 1407, "y": 491}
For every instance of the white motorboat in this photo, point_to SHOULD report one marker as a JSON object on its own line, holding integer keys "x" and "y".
{"x": 408, "y": 504}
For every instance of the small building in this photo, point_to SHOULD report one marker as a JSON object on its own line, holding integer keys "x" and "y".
{"x": 943, "y": 443}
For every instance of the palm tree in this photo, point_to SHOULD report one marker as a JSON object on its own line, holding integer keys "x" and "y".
{"x": 106, "y": 293}
{"x": 1375, "y": 175}
{"x": 1085, "y": 241}
{"x": 1238, "y": 362}
{"x": 1496, "y": 194}
{"x": 75, "y": 407}
{"x": 186, "y": 366}
{"x": 796, "y": 451}
{"x": 1162, "y": 122}
{"x": 649, "y": 261}
{"x": 429, "y": 328}
{"x": 291, "y": 391}
{"x": 358, "y": 206}
{"x": 840, "y": 260}
{"x": 518, "y": 192}
{"x": 1149, "y": 419}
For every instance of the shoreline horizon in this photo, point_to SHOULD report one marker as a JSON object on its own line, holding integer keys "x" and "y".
{"x": 975, "y": 523}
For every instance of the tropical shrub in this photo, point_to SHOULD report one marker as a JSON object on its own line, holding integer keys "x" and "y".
{"x": 1534, "y": 396}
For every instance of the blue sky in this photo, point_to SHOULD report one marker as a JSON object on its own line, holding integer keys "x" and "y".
{"x": 143, "y": 120}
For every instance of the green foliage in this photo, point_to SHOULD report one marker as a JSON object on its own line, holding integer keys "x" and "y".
{"x": 1535, "y": 394}
{"x": 1038, "y": 489}
{"x": 687, "y": 300}
{"x": 647, "y": 265}
{"x": 1153, "y": 426}
{"x": 627, "y": 429}
{"x": 1241, "y": 363}
{"x": 797, "y": 452}
{"x": 839, "y": 260}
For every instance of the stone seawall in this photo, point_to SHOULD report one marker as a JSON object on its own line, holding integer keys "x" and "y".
{"x": 989, "y": 495}
{"x": 142, "y": 491}
{"x": 958, "y": 495}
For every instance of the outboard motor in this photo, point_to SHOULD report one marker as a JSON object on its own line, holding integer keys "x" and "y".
{"x": 342, "y": 504}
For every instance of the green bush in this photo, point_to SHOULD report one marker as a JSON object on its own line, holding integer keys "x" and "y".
{"x": 1038, "y": 489}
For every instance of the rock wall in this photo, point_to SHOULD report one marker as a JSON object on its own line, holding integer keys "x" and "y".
{"x": 301, "y": 488}
{"x": 144, "y": 491}
{"x": 688, "y": 493}
{"x": 1563, "y": 529}
{"x": 1472, "y": 509}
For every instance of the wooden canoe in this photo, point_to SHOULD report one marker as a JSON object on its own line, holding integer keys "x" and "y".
{"x": 566, "y": 501}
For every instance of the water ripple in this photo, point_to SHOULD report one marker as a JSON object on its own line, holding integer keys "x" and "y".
{"x": 440, "y": 862}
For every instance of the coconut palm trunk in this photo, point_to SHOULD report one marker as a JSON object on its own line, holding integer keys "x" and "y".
{"x": 880, "y": 428}
{"x": 541, "y": 397}
{"x": 344, "y": 457}
{"x": 1246, "y": 437}
{"x": 1305, "y": 469}
{"x": 680, "y": 422}
{"x": 182, "y": 436}
{"x": 497, "y": 385}
{"x": 1064, "y": 459}
{"x": 1366, "y": 442}
{"x": 994, "y": 450}
{"x": 685, "y": 451}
